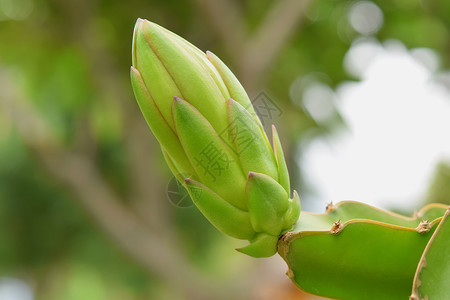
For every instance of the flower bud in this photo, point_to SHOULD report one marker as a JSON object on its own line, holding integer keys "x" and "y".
{"x": 212, "y": 139}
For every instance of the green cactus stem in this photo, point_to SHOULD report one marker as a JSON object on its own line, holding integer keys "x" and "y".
{"x": 349, "y": 210}
{"x": 350, "y": 252}
{"x": 432, "y": 278}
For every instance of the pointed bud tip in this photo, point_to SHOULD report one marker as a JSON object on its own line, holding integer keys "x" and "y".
{"x": 187, "y": 180}
{"x": 149, "y": 27}
{"x": 137, "y": 26}
{"x": 251, "y": 174}
{"x": 141, "y": 20}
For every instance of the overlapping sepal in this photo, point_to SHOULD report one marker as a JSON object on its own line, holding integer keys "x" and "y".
{"x": 162, "y": 55}
{"x": 250, "y": 142}
{"x": 271, "y": 212}
{"x": 292, "y": 214}
{"x": 267, "y": 203}
{"x": 283, "y": 174}
{"x": 262, "y": 245}
{"x": 215, "y": 164}
{"x": 235, "y": 89}
{"x": 224, "y": 216}
{"x": 163, "y": 132}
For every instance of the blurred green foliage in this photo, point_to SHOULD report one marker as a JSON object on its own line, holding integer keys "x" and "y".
{"x": 45, "y": 236}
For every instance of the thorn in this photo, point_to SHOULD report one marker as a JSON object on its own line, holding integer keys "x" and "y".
{"x": 337, "y": 227}
{"x": 330, "y": 207}
{"x": 424, "y": 226}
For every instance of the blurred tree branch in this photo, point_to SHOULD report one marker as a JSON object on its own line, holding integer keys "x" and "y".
{"x": 264, "y": 46}
{"x": 146, "y": 189}
{"x": 254, "y": 53}
{"x": 227, "y": 20}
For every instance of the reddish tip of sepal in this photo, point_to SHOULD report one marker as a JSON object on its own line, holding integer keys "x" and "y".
{"x": 229, "y": 102}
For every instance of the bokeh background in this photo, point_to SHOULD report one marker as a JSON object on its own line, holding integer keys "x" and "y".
{"x": 359, "y": 91}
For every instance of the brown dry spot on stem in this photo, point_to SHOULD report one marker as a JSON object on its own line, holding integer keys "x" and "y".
{"x": 290, "y": 273}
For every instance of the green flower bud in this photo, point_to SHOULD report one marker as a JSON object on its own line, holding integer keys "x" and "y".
{"x": 212, "y": 139}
